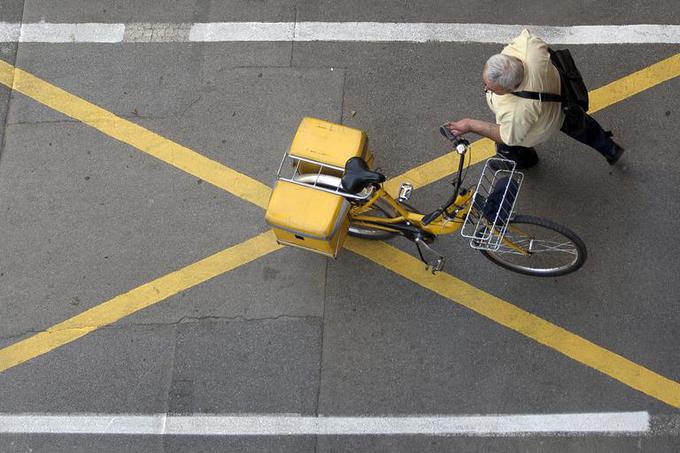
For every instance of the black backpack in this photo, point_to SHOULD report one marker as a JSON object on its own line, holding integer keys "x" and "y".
{"x": 574, "y": 95}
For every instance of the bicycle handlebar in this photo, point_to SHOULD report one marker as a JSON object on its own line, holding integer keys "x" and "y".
{"x": 459, "y": 143}
{"x": 461, "y": 146}
{"x": 446, "y": 132}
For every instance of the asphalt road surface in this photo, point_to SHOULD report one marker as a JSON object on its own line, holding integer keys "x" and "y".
{"x": 144, "y": 305}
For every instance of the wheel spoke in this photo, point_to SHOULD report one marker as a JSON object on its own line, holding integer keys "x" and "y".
{"x": 538, "y": 247}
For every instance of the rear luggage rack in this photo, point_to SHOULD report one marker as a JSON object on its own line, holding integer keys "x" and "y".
{"x": 317, "y": 175}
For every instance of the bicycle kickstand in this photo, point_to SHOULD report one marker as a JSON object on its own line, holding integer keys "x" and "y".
{"x": 437, "y": 264}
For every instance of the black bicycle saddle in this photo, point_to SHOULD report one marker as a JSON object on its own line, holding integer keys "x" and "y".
{"x": 357, "y": 175}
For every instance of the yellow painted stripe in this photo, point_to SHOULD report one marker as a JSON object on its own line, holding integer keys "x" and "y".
{"x": 134, "y": 135}
{"x": 441, "y": 167}
{"x": 634, "y": 83}
{"x": 6, "y": 76}
{"x": 527, "y": 324}
{"x": 600, "y": 98}
{"x": 137, "y": 299}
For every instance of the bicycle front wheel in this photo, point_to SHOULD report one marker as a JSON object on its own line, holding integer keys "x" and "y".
{"x": 539, "y": 247}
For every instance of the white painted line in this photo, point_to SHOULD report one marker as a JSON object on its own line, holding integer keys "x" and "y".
{"x": 242, "y": 31}
{"x": 484, "y": 33}
{"x": 333, "y": 31}
{"x": 63, "y": 33}
{"x": 9, "y": 32}
{"x": 404, "y": 32}
{"x": 292, "y": 425}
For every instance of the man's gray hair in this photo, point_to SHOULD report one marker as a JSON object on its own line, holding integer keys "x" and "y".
{"x": 506, "y": 71}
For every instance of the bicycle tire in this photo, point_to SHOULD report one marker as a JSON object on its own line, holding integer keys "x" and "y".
{"x": 504, "y": 255}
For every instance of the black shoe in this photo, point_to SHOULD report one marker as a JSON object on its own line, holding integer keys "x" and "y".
{"x": 616, "y": 154}
{"x": 522, "y": 156}
{"x": 497, "y": 165}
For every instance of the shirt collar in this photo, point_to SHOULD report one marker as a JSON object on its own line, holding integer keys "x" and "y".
{"x": 525, "y": 80}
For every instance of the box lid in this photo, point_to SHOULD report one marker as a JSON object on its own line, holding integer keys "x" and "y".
{"x": 305, "y": 211}
{"x": 327, "y": 142}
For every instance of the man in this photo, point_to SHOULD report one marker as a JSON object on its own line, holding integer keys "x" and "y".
{"x": 524, "y": 65}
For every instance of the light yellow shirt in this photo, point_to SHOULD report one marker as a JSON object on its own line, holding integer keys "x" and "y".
{"x": 528, "y": 122}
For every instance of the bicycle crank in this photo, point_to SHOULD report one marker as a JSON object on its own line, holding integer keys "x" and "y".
{"x": 434, "y": 265}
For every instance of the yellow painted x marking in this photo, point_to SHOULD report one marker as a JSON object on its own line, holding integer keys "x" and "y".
{"x": 502, "y": 312}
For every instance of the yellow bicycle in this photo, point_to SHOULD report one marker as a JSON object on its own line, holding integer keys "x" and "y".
{"x": 483, "y": 213}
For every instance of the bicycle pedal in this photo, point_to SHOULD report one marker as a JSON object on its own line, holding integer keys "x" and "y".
{"x": 405, "y": 191}
{"x": 436, "y": 265}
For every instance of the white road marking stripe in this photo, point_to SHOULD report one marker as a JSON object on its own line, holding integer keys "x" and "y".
{"x": 242, "y": 31}
{"x": 62, "y": 33}
{"x": 333, "y": 31}
{"x": 484, "y": 33}
{"x": 9, "y": 32}
{"x": 280, "y": 425}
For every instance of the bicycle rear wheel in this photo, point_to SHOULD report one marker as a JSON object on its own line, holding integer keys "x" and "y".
{"x": 553, "y": 250}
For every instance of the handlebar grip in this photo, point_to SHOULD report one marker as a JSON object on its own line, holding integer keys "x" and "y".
{"x": 444, "y": 130}
{"x": 455, "y": 139}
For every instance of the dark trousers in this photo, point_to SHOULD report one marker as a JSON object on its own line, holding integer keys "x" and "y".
{"x": 592, "y": 135}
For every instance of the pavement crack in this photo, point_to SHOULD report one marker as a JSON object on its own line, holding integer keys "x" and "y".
{"x": 270, "y": 66}
{"x": 14, "y": 336}
{"x": 182, "y": 320}
{"x": 342, "y": 97}
{"x": 321, "y": 346}
{"x": 191, "y": 104}
{"x": 128, "y": 117}
{"x": 292, "y": 41}
{"x": 197, "y": 319}
{"x": 32, "y": 123}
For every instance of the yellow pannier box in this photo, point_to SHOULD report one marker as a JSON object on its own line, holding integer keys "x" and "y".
{"x": 329, "y": 143}
{"x": 309, "y": 218}
{"x": 302, "y": 215}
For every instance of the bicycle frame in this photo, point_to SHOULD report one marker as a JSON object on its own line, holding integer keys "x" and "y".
{"x": 448, "y": 222}
{"x": 421, "y": 228}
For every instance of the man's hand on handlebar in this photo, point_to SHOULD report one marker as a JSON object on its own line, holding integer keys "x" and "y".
{"x": 459, "y": 127}
{"x": 459, "y": 142}
{"x": 483, "y": 128}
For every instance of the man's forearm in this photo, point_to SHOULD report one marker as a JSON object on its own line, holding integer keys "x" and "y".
{"x": 485, "y": 129}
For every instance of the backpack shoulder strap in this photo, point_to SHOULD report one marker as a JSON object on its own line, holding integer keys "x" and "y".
{"x": 535, "y": 95}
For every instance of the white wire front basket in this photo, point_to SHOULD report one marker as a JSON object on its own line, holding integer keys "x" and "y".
{"x": 316, "y": 175}
{"x": 492, "y": 204}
